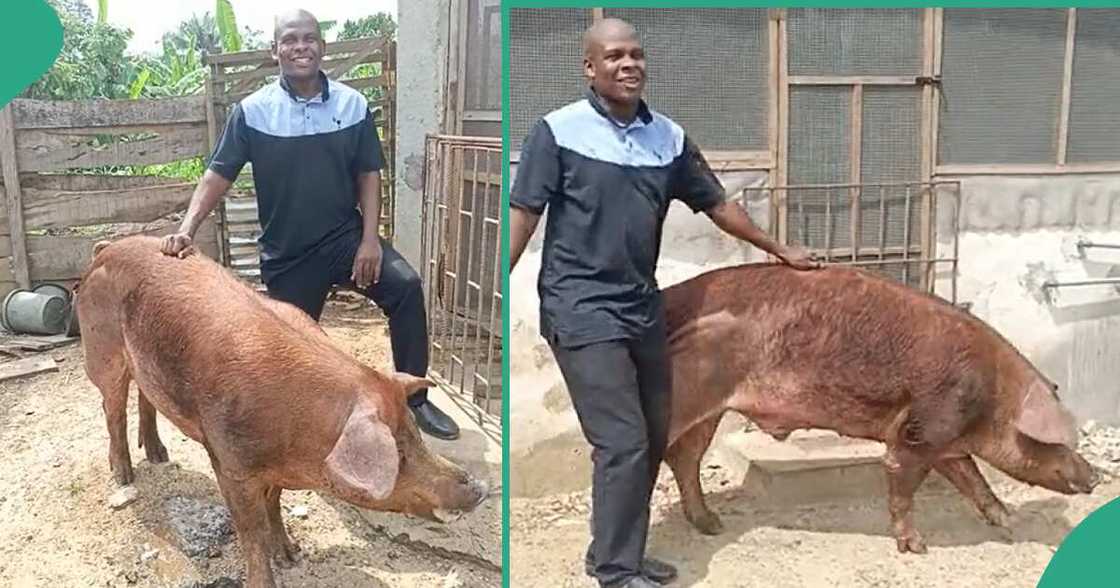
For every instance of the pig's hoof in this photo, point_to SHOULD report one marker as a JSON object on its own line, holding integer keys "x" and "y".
{"x": 156, "y": 454}
{"x": 707, "y": 523}
{"x": 911, "y": 544}
{"x": 289, "y": 556}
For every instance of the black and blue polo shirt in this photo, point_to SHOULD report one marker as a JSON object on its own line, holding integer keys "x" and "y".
{"x": 307, "y": 154}
{"x": 607, "y": 188}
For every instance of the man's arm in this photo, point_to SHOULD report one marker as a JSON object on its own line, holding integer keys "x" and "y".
{"x": 522, "y": 225}
{"x": 211, "y": 187}
{"x": 367, "y": 261}
{"x": 730, "y": 217}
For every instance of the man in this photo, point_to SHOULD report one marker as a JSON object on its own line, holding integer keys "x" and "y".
{"x": 606, "y": 168}
{"x": 316, "y": 157}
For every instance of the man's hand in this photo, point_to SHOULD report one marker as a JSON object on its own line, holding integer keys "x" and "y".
{"x": 798, "y": 258}
{"x": 177, "y": 244}
{"x": 367, "y": 263}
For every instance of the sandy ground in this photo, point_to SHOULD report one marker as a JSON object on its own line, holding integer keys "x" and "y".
{"x": 775, "y": 542}
{"x": 56, "y": 528}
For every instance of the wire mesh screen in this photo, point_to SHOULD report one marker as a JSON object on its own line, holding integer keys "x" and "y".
{"x": 717, "y": 89}
{"x": 819, "y": 153}
{"x": 547, "y": 71}
{"x": 891, "y": 153}
{"x": 1001, "y": 81}
{"x": 483, "y": 83}
{"x": 460, "y": 242}
{"x": 1094, "y": 117}
{"x": 855, "y": 42}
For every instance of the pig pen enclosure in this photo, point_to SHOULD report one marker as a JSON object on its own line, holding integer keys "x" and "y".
{"x": 75, "y": 173}
{"x": 882, "y": 138}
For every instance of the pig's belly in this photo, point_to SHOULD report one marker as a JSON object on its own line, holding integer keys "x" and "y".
{"x": 780, "y": 406}
{"x": 156, "y": 385}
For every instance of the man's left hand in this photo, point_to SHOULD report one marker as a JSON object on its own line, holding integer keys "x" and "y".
{"x": 798, "y": 258}
{"x": 367, "y": 264}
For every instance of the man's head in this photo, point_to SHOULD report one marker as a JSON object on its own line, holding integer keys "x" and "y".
{"x": 297, "y": 44}
{"x": 614, "y": 61}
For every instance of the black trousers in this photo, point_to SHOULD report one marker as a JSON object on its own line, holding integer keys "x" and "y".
{"x": 398, "y": 293}
{"x": 620, "y": 391}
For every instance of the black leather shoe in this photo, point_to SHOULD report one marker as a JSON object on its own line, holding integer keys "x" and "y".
{"x": 651, "y": 568}
{"x": 435, "y": 422}
{"x": 639, "y": 582}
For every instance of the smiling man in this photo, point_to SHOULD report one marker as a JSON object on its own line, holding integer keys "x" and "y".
{"x": 316, "y": 168}
{"x": 606, "y": 167}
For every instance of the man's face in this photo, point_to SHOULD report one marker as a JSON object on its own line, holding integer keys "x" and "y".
{"x": 299, "y": 49}
{"x": 616, "y": 66}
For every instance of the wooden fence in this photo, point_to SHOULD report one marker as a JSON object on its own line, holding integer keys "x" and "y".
{"x": 53, "y": 208}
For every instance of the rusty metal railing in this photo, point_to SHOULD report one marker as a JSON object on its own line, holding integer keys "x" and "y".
{"x": 888, "y": 227}
{"x": 461, "y": 248}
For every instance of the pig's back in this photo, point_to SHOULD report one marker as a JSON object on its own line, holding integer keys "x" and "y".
{"x": 835, "y": 348}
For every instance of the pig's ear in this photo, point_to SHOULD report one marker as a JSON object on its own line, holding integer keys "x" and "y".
{"x": 364, "y": 459}
{"x": 1044, "y": 419}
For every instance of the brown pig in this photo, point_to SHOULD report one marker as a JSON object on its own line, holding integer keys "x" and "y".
{"x": 258, "y": 383}
{"x": 847, "y": 350}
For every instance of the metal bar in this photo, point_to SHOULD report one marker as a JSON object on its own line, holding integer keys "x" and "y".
{"x": 478, "y": 325}
{"x": 1087, "y": 244}
{"x": 470, "y": 262}
{"x": 872, "y": 262}
{"x": 882, "y": 221}
{"x": 1098, "y": 282}
{"x": 827, "y": 224}
{"x": 906, "y": 240}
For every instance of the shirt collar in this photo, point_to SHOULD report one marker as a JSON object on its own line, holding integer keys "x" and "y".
{"x": 323, "y": 96}
{"x": 644, "y": 115}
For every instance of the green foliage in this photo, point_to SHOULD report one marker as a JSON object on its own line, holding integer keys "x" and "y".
{"x": 92, "y": 63}
{"x": 374, "y": 25}
{"x": 227, "y": 27}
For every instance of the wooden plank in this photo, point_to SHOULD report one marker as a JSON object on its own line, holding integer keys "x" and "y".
{"x": 855, "y": 159}
{"x": 88, "y": 182}
{"x": 772, "y": 113}
{"x": 339, "y": 67}
{"x": 935, "y": 106}
{"x": 483, "y": 115}
{"x": 62, "y": 258}
{"x": 9, "y": 162}
{"x": 356, "y": 83}
{"x": 36, "y": 342}
{"x": 265, "y": 55}
{"x": 49, "y": 114}
{"x": 924, "y": 147}
{"x": 783, "y": 129}
{"x": 51, "y": 150}
{"x": 851, "y": 80}
{"x": 44, "y": 209}
{"x": 28, "y": 366}
{"x": 1067, "y": 84}
{"x": 727, "y": 161}
{"x": 1025, "y": 169}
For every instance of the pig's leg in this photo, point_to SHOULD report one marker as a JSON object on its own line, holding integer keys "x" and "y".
{"x": 684, "y": 458}
{"x": 963, "y": 473}
{"x": 113, "y": 384}
{"x": 247, "y": 507}
{"x": 149, "y": 434}
{"x": 906, "y": 469}
{"x": 284, "y": 552}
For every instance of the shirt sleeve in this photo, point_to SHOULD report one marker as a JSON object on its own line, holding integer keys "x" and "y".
{"x": 232, "y": 150}
{"x": 538, "y": 171}
{"x": 695, "y": 184}
{"x": 369, "y": 157}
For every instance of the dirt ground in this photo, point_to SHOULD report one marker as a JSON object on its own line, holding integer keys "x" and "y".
{"x": 56, "y": 528}
{"x": 772, "y": 541}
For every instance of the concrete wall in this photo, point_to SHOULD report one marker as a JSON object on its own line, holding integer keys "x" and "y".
{"x": 1015, "y": 233}
{"x": 422, "y": 47}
